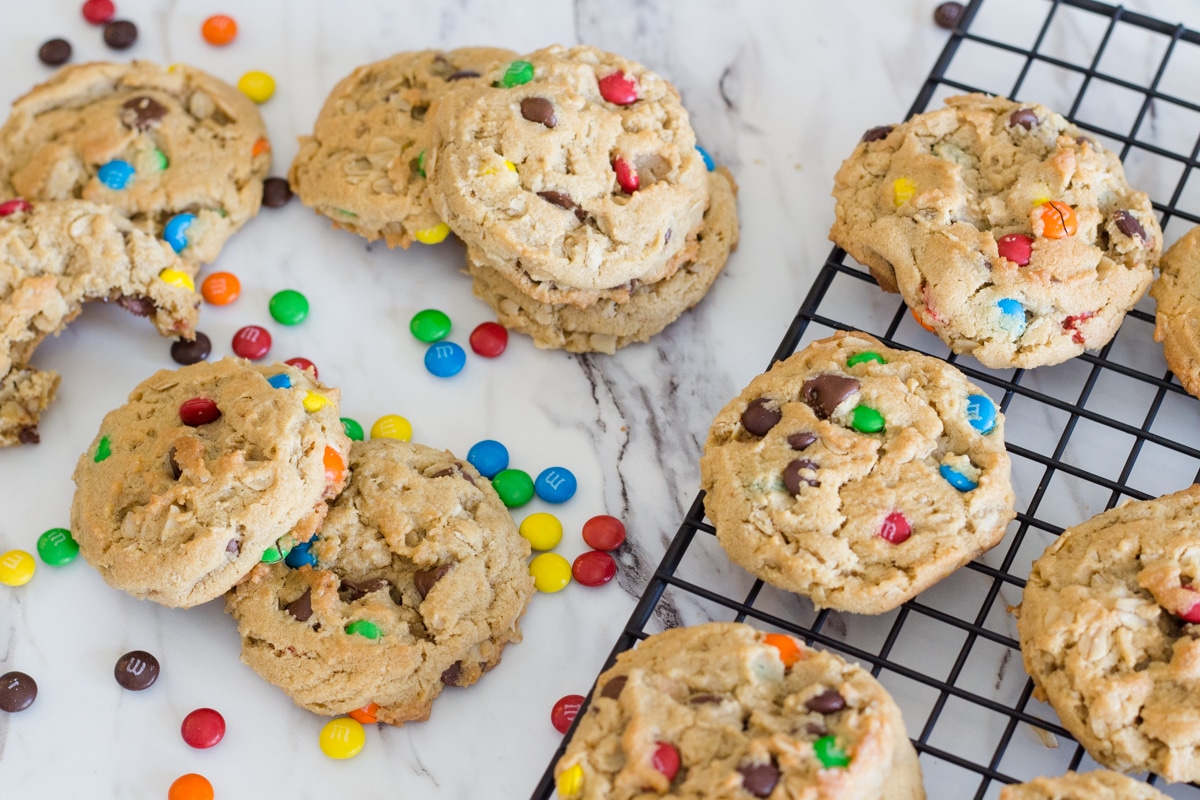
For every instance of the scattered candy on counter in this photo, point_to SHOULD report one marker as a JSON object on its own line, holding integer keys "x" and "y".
{"x": 99, "y": 12}
{"x": 190, "y": 787}
{"x": 57, "y": 547}
{"x": 430, "y": 325}
{"x": 947, "y": 15}
{"x": 570, "y": 783}
{"x": 175, "y": 231}
{"x": 17, "y": 691}
{"x": 603, "y": 532}
{"x": 302, "y": 364}
{"x": 276, "y": 193}
{"x": 257, "y": 85}
{"x": 489, "y": 457}
{"x": 555, "y": 484}
{"x": 895, "y": 528}
{"x": 16, "y": 568}
{"x": 366, "y": 714}
{"x": 353, "y": 430}
{"x": 666, "y": 759}
{"x": 489, "y": 339}
{"x": 252, "y": 342}
{"x": 221, "y": 288}
{"x": 514, "y": 486}
{"x": 544, "y": 531}
{"x": 198, "y": 411}
{"x": 185, "y": 352}
{"x": 136, "y": 670}
{"x": 392, "y": 426}
{"x": 445, "y": 359}
{"x": 219, "y": 30}
{"x": 120, "y": 34}
{"x": 55, "y": 52}
{"x": 342, "y": 738}
{"x": 709, "y": 164}
{"x": 551, "y": 572}
{"x": 594, "y": 568}
{"x": 203, "y": 728}
{"x": 288, "y": 307}
{"x": 564, "y": 712}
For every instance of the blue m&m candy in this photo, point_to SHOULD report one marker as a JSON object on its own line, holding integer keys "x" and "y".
{"x": 981, "y": 413}
{"x": 280, "y": 381}
{"x": 555, "y": 484}
{"x": 489, "y": 457}
{"x": 175, "y": 231}
{"x": 709, "y": 164}
{"x": 301, "y": 555}
{"x": 956, "y": 478}
{"x": 1012, "y": 316}
{"x": 116, "y": 174}
{"x": 445, "y": 359}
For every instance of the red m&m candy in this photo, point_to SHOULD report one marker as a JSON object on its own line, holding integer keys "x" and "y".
{"x": 199, "y": 411}
{"x": 627, "y": 175}
{"x": 99, "y": 12}
{"x": 666, "y": 760}
{"x": 895, "y": 528}
{"x": 594, "y": 568}
{"x": 604, "y": 532}
{"x": 302, "y": 364}
{"x": 1016, "y": 247}
{"x": 13, "y": 206}
{"x": 252, "y": 342}
{"x": 565, "y": 711}
{"x": 489, "y": 339}
{"x": 203, "y": 728}
{"x": 618, "y": 88}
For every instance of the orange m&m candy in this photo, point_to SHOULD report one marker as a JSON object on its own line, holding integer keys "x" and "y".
{"x": 221, "y": 288}
{"x": 335, "y": 467}
{"x": 789, "y": 651}
{"x": 261, "y": 146}
{"x": 366, "y": 714}
{"x": 219, "y": 29}
{"x": 922, "y": 322}
{"x": 190, "y": 787}
{"x": 1058, "y": 220}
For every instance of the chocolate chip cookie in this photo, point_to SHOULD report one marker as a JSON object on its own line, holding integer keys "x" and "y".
{"x": 206, "y": 472}
{"x": 856, "y": 474}
{"x": 415, "y": 582}
{"x": 1009, "y": 233}
{"x": 178, "y": 152}
{"x": 724, "y": 710}
{"x": 1177, "y": 292}
{"x": 1098, "y": 785}
{"x": 1110, "y": 633}
{"x": 364, "y": 164}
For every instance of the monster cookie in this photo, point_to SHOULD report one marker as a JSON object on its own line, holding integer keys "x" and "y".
{"x": 607, "y": 324}
{"x": 207, "y": 471}
{"x": 1177, "y": 292}
{"x": 56, "y": 256}
{"x": 1110, "y": 633}
{"x": 415, "y": 582}
{"x": 1009, "y": 234}
{"x": 1098, "y": 785}
{"x": 573, "y": 169}
{"x": 856, "y": 474}
{"x": 364, "y": 165}
{"x": 724, "y": 711}
{"x": 178, "y": 152}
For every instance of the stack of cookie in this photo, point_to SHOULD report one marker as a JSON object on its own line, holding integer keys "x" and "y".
{"x": 117, "y": 181}
{"x": 572, "y": 175}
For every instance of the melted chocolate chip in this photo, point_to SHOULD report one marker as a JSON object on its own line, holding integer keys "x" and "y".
{"x": 563, "y": 200}
{"x": 185, "y": 352}
{"x": 425, "y": 579}
{"x": 792, "y": 478}
{"x": 357, "y": 591}
{"x": 801, "y": 440}
{"x": 759, "y": 779}
{"x": 176, "y": 470}
{"x": 142, "y": 112}
{"x": 1128, "y": 224}
{"x": 875, "y": 134}
{"x": 704, "y": 699}
{"x": 462, "y": 73}
{"x": 141, "y": 306}
{"x": 276, "y": 192}
{"x": 55, "y": 52}
{"x": 759, "y": 417}
{"x": 613, "y": 688}
{"x": 301, "y": 607}
{"x": 1023, "y": 117}
{"x": 816, "y": 729}
{"x": 539, "y": 109}
{"x": 824, "y": 392}
{"x": 29, "y": 435}
{"x": 452, "y": 674}
{"x": 829, "y": 701}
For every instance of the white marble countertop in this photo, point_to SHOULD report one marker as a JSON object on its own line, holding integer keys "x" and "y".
{"x": 779, "y": 91}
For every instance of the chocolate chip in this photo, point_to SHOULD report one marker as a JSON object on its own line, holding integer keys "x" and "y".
{"x": 120, "y": 34}
{"x": 759, "y": 417}
{"x": 1128, "y": 224}
{"x": 947, "y": 15}
{"x": 829, "y": 701}
{"x": 55, "y": 52}
{"x": 801, "y": 440}
{"x": 1023, "y": 117}
{"x": 185, "y": 352}
{"x": 1082, "y": 140}
{"x": 759, "y": 779}
{"x": 816, "y": 729}
{"x": 301, "y": 607}
{"x": 136, "y": 670}
{"x": 142, "y": 112}
{"x": 792, "y": 477}
{"x": 176, "y": 470}
{"x": 825, "y": 392}
{"x": 29, "y": 435}
{"x": 276, "y": 193}
{"x": 233, "y": 548}
{"x": 358, "y": 590}
{"x": 452, "y": 674}
{"x": 613, "y": 688}
{"x": 704, "y": 699}
{"x": 539, "y": 109}
{"x": 875, "y": 134}
{"x": 443, "y": 473}
{"x": 425, "y": 579}
{"x": 141, "y": 306}
{"x": 563, "y": 200}
{"x": 463, "y": 73}
{"x": 17, "y": 691}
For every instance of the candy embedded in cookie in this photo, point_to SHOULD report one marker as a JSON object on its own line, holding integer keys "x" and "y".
{"x": 856, "y": 474}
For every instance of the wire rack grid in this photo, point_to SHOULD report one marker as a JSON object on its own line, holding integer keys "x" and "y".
{"x": 1083, "y": 435}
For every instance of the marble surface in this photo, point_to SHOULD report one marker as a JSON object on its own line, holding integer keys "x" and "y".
{"x": 778, "y": 91}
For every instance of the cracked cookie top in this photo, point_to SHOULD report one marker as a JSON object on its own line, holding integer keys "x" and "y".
{"x": 1100, "y": 784}
{"x": 1010, "y": 234}
{"x": 856, "y": 474}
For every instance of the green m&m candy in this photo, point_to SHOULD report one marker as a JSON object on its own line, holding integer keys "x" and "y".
{"x": 364, "y": 627}
{"x": 353, "y": 430}
{"x": 56, "y": 547}
{"x": 430, "y": 325}
{"x": 865, "y": 419}
{"x": 514, "y": 486}
{"x": 518, "y": 73}
{"x": 866, "y": 355}
{"x": 829, "y": 754}
{"x": 289, "y": 307}
{"x": 103, "y": 450}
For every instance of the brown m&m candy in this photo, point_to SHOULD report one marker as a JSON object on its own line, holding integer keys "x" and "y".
{"x": 17, "y": 691}
{"x": 136, "y": 670}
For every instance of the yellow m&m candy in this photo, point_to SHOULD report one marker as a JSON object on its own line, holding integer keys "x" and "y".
{"x": 434, "y": 235}
{"x": 392, "y": 426}
{"x": 570, "y": 783}
{"x": 902, "y": 191}
{"x": 543, "y": 530}
{"x": 551, "y": 572}
{"x": 342, "y": 738}
{"x": 257, "y": 85}
{"x": 16, "y": 568}
{"x": 314, "y": 401}
{"x": 177, "y": 278}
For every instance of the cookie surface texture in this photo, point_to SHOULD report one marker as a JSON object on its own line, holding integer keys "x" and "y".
{"x": 746, "y": 719}
{"x": 1105, "y": 634}
{"x": 418, "y": 583}
{"x": 151, "y": 142}
{"x": 188, "y": 484}
{"x": 363, "y": 167}
{"x": 526, "y": 172}
{"x": 608, "y": 324}
{"x": 1177, "y": 292}
{"x": 1101, "y": 784}
{"x": 856, "y": 474}
{"x": 1011, "y": 235}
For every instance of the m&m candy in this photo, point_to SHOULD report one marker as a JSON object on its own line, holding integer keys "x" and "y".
{"x": 301, "y": 556}
{"x": 57, "y": 547}
{"x": 17, "y": 691}
{"x": 280, "y": 381}
{"x": 352, "y": 429}
{"x": 564, "y": 712}
{"x": 1012, "y": 316}
{"x": 489, "y": 339}
{"x": 99, "y": 12}
{"x": 392, "y": 426}
{"x": 666, "y": 759}
{"x": 16, "y": 568}
{"x": 618, "y": 89}
{"x": 594, "y": 568}
{"x": 252, "y": 342}
{"x": 981, "y": 413}
{"x": 445, "y": 359}
{"x": 1016, "y": 247}
{"x": 219, "y": 30}
{"x": 342, "y": 738}
{"x": 865, "y": 419}
{"x": 288, "y": 307}
{"x": 789, "y": 651}
{"x": 488, "y": 456}
{"x": 430, "y": 325}
{"x": 364, "y": 628}
{"x": 895, "y": 528}
{"x": 366, "y": 714}
{"x": 514, "y": 486}
{"x": 203, "y": 728}
{"x": 957, "y": 478}
{"x": 550, "y": 572}
{"x": 569, "y": 784}
{"x": 257, "y": 85}
{"x": 555, "y": 484}
{"x": 709, "y": 164}
{"x": 302, "y": 364}
{"x": 221, "y": 288}
{"x": 604, "y": 532}
{"x": 198, "y": 411}
{"x": 435, "y": 235}
{"x": 516, "y": 74}
{"x": 190, "y": 787}
{"x": 829, "y": 753}
{"x": 177, "y": 277}
{"x": 1058, "y": 220}
{"x": 116, "y": 174}
{"x": 543, "y": 530}
{"x": 13, "y": 206}
{"x": 175, "y": 231}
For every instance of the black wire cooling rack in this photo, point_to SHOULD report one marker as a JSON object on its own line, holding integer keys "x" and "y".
{"x": 1082, "y": 435}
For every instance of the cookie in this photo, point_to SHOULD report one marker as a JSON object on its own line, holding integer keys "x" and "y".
{"x": 204, "y": 473}
{"x": 177, "y": 151}
{"x": 415, "y": 582}
{"x": 608, "y": 324}
{"x": 573, "y": 167}
{"x": 1177, "y": 292}
{"x": 1109, "y": 625}
{"x": 1098, "y": 785}
{"x": 1009, "y": 233}
{"x": 364, "y": 164}
{"x": 723, "y": 710}
{"x": 56, "y": 256}
{"x": 856, "y": 474}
